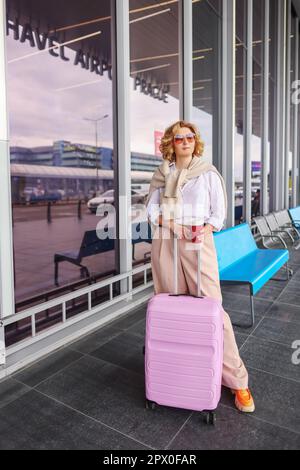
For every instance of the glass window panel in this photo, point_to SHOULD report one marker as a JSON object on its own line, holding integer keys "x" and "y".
{"x": 206, "y": 74}
{"x": 61, "y": 142}
{"x": 216, "y": 4}
{"x": 239, "y": 131}
{"x": 256, "y": 157}
{"x": 258, "y": 16}
{"x": 154, "y": 100}
{"x": 292, "y": 79}
{"x": 272, "y": 90}
{"x": 241, "y": 7}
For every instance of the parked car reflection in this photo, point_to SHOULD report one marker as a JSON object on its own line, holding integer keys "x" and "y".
{"x": 108, "y": 198}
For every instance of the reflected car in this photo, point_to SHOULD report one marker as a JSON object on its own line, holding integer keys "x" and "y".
{"x": 28, "y": 190}
{"x": 108, "y": 198}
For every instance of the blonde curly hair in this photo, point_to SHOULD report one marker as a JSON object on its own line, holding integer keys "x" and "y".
{"x": 167, "y": 145}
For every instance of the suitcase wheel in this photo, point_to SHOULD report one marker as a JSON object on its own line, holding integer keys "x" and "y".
{"x": 150, "y": 405}
{"x": 210, "y": 418}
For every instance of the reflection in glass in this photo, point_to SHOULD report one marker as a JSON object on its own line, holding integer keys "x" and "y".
{"x": 292, "y": 79}
{"x": 272, "y": 93}
{"x": 154, "y": 100}
{"x": 206, "y": 73}
{"x": 61, "y": 146}
{"x": 256, "y": 156}
{"x": 239, "y": 120}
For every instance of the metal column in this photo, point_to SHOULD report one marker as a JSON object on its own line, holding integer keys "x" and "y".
{"x": 276, "y": 161}
{"x": 286, "y": 158}
{"x": 7, "y": 306}
{"x": 228, "y": 104}
{"x": 216, "y": 97}
{"x": 185, "y": 33}
{"x": 265, "y": 111}
{"x": 121, "y": 125}
{"x": 295, "y": 167}
{"x": 248, "y": 115}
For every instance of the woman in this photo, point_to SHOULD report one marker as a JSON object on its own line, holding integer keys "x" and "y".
{"x": 185, "y": 186}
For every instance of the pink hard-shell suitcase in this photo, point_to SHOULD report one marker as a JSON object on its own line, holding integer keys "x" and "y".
{"x": 184, "y": 350}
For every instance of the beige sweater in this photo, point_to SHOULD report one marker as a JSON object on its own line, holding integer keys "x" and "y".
{"x": 173, "y": 180}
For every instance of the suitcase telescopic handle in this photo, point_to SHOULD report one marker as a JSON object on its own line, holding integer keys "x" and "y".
{"x": 192, "y": 247}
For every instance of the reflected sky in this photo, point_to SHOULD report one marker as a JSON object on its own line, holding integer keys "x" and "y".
{"x": 49, "y": 99}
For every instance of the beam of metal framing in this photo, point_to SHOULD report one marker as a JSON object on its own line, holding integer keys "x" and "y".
{"x": 298, "y": 130}
{"x": 277, "y": 160}
{"x": 216, "y": 92}
{"x": 286, "y": 159}
{"x": 265, "y": 110}
{"x": 228, "y": 104}
{"x": 185, "y": 34}
{"x": 295, "y": 167}
{"x": 121, "y": 125}
{"x": 248, "y": 113}
{"x": 7, "y": 306}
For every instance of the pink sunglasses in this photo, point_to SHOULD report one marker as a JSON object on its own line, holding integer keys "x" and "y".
{"x": 178, "y": 138}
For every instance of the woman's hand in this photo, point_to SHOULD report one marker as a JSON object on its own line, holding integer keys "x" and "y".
{"x": 194, "y": 235}
{"x": 199, "y": 233}
{"x": 185, "y": 232}
{"x": 208, "y": 228}
{"x": 178, "y": 230}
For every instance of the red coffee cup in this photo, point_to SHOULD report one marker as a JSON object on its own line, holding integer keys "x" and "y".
{"x": 196, "y": 229}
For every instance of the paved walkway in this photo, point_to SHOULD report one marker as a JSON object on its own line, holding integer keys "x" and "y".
{"x": 90, "y": 394}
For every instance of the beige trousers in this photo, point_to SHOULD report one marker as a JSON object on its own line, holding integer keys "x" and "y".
{"x": 235, "y": 375}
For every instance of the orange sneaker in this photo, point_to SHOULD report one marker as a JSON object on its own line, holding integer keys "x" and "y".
{"x": 244, "y": 400}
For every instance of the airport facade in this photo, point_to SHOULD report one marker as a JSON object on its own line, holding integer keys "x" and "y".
{"x": 86, "y": 92}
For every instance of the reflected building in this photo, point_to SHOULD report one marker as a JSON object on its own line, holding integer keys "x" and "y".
{"x": 66, "y": 154}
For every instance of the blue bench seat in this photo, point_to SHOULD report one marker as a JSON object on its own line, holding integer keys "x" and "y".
{"x": 241, "y": 262}
{"x": 256, "y": 268}
{"x": 295, "y": 216}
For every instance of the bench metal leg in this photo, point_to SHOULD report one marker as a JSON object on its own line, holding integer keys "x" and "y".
{"x": 252, "y": 314}
{"x": 289, "y": 273}
{"x": 84, "y": 272}
{"x": 56, "y": 274}
{"x": 252, "y": 311}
